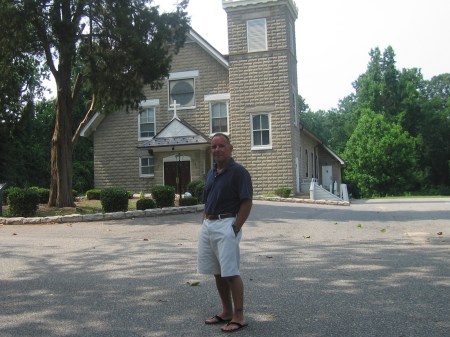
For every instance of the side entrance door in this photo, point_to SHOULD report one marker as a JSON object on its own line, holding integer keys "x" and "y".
{"x": 327, "y": 175}
{"x": 178, "y": 175}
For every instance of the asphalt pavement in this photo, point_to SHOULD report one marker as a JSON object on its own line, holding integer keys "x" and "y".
{"x": 376, "y": 268}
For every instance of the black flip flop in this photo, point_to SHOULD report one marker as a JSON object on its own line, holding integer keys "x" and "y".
{"x": 239, "y": 325}
{"x": 218, "y": 320}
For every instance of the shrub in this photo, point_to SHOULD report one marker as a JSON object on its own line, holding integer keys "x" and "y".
{"x": 93, "y": 194}
{"x": 283, "y": 192}
{"x": 164, "y": 196}
{"x": 114, "y": 200}
{"x": 23, "y": 201}
{"x": 145, "y": 203}
{"x": 188, "y": 201}
{"x": 5, "y": 195}
{"x": 44, "y": 194}
{"x": 196, "y": 187}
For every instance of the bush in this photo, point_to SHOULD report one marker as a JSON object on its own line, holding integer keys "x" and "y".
{"x": 93, "y": 194}
{"x": 283, "y": 192}
{"x": 83, "y": 175}
{"x": 145, "y": 203}
{"x": 5, "y": 195}
{"x": 23, "y": 201}
{"x": 188, "y": 201}
{"x": 114, "y": 200}
{"x": 44, "y": 194}
{"x": 196, "y": 187}
{"x": 164, "y": 196}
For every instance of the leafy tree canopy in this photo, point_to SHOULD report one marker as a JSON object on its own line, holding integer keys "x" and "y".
{"x": 380, "y": 157}
{"x": 110, "y": 48}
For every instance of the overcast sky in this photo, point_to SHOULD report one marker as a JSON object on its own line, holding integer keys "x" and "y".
{"x": 334, "y": 39}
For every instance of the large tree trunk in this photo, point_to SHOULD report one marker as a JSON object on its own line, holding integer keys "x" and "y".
{"x": 61, "y": 152}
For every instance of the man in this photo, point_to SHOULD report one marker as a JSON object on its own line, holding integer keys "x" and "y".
{"x": 228, "y": 197}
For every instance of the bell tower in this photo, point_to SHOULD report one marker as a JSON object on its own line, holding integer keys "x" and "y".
{"x": 263, "y": 91}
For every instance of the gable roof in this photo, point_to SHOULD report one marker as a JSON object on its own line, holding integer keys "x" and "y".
{"x": 176, "y": 133}
{"x": 192, "y": 37}
{"x": 318, "y": 140}
{"x": 195, "y": 37}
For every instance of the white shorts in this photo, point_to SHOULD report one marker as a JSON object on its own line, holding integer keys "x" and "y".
{"x": 218, "y": 248}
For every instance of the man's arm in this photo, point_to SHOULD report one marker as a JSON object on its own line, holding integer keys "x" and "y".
{"x": 244, "y": 212}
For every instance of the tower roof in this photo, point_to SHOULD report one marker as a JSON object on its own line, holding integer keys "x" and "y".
{"x": 230, "y": 4}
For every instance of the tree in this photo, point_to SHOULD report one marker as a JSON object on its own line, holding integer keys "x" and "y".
{"x": 380, "y": 157}
{"x": 110, "y": 48}
{"x": 435, "y": 130}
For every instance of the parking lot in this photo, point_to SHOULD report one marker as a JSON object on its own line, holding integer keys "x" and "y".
{"x": 375, "y": 268}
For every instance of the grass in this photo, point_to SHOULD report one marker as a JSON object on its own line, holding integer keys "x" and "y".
{"x": 82, "y": 207}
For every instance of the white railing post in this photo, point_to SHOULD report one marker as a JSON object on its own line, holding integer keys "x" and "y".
{"x": 312, "y": 186}
{"x": 344, "y": 193}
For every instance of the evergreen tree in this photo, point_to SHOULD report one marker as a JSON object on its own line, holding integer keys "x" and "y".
{"x": 118, "y": 46}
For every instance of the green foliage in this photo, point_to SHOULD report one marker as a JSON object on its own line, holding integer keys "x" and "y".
{"x": 420, "y": 108}
{"x": 380, "y": 157}
{"x": 5, "y": 193}
{"x": 145, "y": 203}
{"x": 114, "y": 200}
{"x": 196, "y": 187}
{"x": 93, "y": 194}
{"x": 164, "y": 196}
{"x": 129, "y": 45}
{"x": 43, "y": 194}
{"x": 188, "y": 201}
{"x": 283, "y": 192}
{"x": 23, "y": 202}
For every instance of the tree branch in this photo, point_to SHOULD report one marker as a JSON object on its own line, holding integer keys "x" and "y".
{"x": 85, "y": 120}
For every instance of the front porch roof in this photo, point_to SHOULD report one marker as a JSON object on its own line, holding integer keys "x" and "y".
{"x": 175, "y": 134}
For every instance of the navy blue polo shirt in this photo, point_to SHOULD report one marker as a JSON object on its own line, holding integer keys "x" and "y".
{"x": 225, "y": 192}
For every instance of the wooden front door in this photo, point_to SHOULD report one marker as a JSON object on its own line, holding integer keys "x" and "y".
{"x": 178, "y": 175}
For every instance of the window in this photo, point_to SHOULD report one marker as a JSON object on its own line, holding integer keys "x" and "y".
{"x": 219, "y": 117}
{"x": 182, "y": 91}
{"x": 294, "y": 106}
{"x": 291, "y": 38}
{"x": 147, "y": 122}
{"x": 147, "y": 166}
{"x": 218, "y": 111}
{"x": 307, "y": 163}
{"x": 256, "y": 35}
{"x": 261, "y": 131}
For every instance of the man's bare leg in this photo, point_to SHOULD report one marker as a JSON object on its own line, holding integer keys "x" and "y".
{"x": 236, "y": 287}
{"x": 223, "y": 288}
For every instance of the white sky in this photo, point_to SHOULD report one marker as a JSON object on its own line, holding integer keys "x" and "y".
{"x": 334, "y": 38}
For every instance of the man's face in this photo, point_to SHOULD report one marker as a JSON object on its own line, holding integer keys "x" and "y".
{"x": 221, "y": 149}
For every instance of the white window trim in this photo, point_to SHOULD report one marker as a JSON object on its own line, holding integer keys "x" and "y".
{"x": 194, "y": 78}
{"x": 217, "y": 97}
{"x": 150, "y": 103}
{"x": 261, "y": 147}
{"x": 211, "y": 102}
{"x": 183, "y": 74}
{"x": 252, "y": 38}
{"x": 140, "y": 168}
